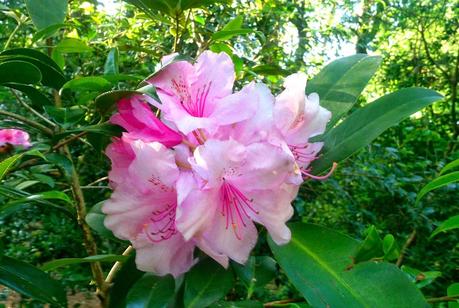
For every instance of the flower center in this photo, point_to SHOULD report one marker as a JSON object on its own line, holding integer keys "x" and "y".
{"x": 162, "y": 224}
{"x": 194, "y": 106}
{"x": 235, "y": 206}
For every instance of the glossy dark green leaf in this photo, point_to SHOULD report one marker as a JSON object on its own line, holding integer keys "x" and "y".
{"x": 111, "y": 66}
{"x": 52, "y": 74}
{"x": 151, "y": 291}
{"x": 72, "y": 45}
{"x": 37, "y": 98}
{"x": 45, "y": 13}
{"x": 65, "y": 116}
{"x": 51, "y": 265}
{"x": 241, "y": 304}
{"x": 317, "y": 261}
{"x": 123, "y": 282}
{"x": 92, "y": 83}
{"x": 340, "y": 83}
{"x": 206, "y": 283}
{"x": 390, "y": 248}
{"x": 19, "y": 72}
{"x": 95, "y": 219}
{"x": 368, "y": 122}
{"x": 62, "y": 162}
{"x": 371, "y": 247}
{"x": 269, "y": 69}
{"x": 449, "y": 224}
{"x": 30, "y": 281}
{"x": 453, "y": 291}
{"x": 439, "y": 182}
{"x": 106, "y": 102}
{"x": 257, "y": 272}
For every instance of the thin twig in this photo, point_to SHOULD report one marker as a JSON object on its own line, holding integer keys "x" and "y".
{"x": 7, "y": 44}
{"x": 117, "y": 266}
{"x": 25, "y": 105}
{"x": 443, "y": 299}
{"x": 68, "y": 140}
{"x": 284, "y": 301}
{"x": 405, "y": 248}
{"x": 98, "y": 181}
{"x": 25, "y": 120}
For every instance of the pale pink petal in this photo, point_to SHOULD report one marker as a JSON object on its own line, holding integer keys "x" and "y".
{"x": 173, "y": 256}
{"x": 234, "y": 243}
{"x": 121, "y": 156}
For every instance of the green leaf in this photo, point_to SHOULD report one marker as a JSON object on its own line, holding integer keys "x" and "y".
{"x": 438, "y": 183}
{"x": 72, "y": 45}
{"x": 51, "y": 73}
{"x": 317, "y": 262}
{"x": 111, "y": 66}
{"x": 48, "y": 266}
{"x": 45, "y": 13}
{"x": 368, "y": 122}
{"x": 95, "y": 219}
{"x": 452, "y": 165}
{"x": 449, "y": 224}
{"x": 257, "y": 272}
{"x": 151, "y": 291}
{"x": 234, "y": 24}
{"x": 30, "y": 281}
{"x": 371, "y": 247}
{"x": 206, "y": 283}
{"x": 7, "y": 164}
{"x": 269, "y": 69}
{"x": 47, "y": 32}
{"x": 66, "y": 116}
{"x": 123, "y": 282}
{"x": 106, "y": 102}
{"x": 224, "y": 35}
{"x": 340, "y": 83}
{"x": 37, "y": 98}
{"x": 453, "y": 291}
{"x": 92, "y": 83}
{"x": 19, "y": 72}
{"x": 390, "y": 248}
{"x": 421, "y": 279}
{"x": 241, "y": 304}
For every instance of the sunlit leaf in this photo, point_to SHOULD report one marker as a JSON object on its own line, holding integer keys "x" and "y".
{"x": 449, "y": 224}
{"x": 45, "y": 13}
{"x": 51, "y": 265}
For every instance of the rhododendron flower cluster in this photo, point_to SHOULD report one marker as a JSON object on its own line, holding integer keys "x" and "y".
{"x": 15, "y": 137}
{"x": 215, "y": 163}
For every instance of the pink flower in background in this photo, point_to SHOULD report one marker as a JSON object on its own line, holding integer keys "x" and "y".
{"x": 300, "y": 117}
{"x": 214, "y": 164}
{"x": 14, "y": 137}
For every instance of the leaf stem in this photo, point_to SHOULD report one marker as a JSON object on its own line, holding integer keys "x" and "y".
{"x": 8, "y": 42}
{"x": 443, "y": 299}
{"x": 25, "y": 120}
{"x": 25, "y": 105}
{"x": 284, "y": 301}
{"x": 405, "y": 248}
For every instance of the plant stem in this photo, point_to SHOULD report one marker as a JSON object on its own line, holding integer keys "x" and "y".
{"x": 25, "y": 105}
{"x": 7, "y": 44}
{"x": 405, "y": 248}
{"x": 112, "y": 274}
{"x": 284, "y": 301}
{"x": 443, "y": 299}
{"x": 177, "y": 29}
{"x": 68, "y": 140}
{"x": 25, "y": 120}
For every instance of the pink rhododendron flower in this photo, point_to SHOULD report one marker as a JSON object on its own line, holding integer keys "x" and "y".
{"x": 14, "y": 137}
{"x": 212, "y": 166}
{"x": 199, "y": 96}
{"x": 300, "y": 117}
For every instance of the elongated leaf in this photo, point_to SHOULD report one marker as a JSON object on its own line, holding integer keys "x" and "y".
{"x": 26, "y": 53}
{"x": 48, "y": 266}
{"x": 317, "y": 261}
{"x": 452, "y": 165}
{"x": 371, "y": 247}
{"x": 106, "y": 102}
{"x": 437, "y": 183}
{"x": 66, "y": 116}
{"x": 111, "y": 66}
{"x": 37, "y": 98}
{"x": 421, "y": 279}
{"x": 257, "y": 272}
{"x": 224, "y": 35}
{"x": 241, "y": 304}
{"x": 233, "y": 24}
{"x": 30, "y": 281}
{"x": 6, "y": 164}
{"x": 91, "y": 83}
{"x": 206, "y": 283}
{"x": 449, "y": 224}
{"x": 48, "y": 32}
{"x": 19, "y": 72}
{"x": 368, "y": 122}
{"x": 45, "y": 13}
{"x": 340, "y": 83}
{"x": 151, "y": 291}
{"x": 269, "y": 69}
{"x": 72, "y": 45}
